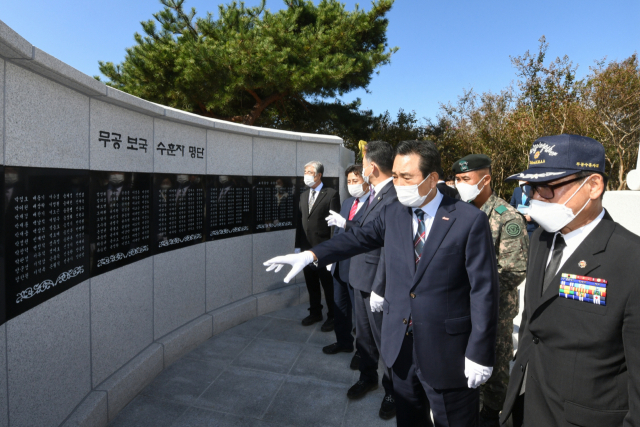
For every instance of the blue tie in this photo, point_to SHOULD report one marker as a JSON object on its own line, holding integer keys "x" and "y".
{"x": 419, "y": 239}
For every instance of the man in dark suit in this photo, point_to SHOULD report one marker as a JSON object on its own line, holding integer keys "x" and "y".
{"x": 377, "y": 165}
{"x": 578, "y": 359}
{"x": 352, "y": 209}
{"x": 312, "y": 230}
{"x": 444, "y": 188}
{"x": 441, "y": 297}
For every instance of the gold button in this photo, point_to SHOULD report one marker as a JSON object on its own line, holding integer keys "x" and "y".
{"x": 404, "y": 321}
{"x": 413, "y": 295}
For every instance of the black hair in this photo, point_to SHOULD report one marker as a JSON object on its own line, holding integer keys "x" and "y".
{"x": 429, "y": 156}
{"x": 381, "y": 153}
{"x": 355, "y": 169}
{"x": 440, "y": 173}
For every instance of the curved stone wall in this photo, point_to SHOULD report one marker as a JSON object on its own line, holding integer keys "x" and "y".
{"x": 80, "y": 357}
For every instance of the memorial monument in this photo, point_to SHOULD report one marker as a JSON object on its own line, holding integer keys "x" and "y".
{"x": 132, "y": 232}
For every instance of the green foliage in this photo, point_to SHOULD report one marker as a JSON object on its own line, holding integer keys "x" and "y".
{"x": 248, "y": 59}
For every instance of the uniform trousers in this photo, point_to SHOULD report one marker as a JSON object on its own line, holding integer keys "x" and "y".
{"x": 342, "y": 312}
{"x": 314, "y": 276}
{"x": 368, "y": 328}
{"x": 415, "y": 398}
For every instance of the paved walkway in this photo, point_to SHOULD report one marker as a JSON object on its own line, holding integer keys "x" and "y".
{"x": 269, "y": 371}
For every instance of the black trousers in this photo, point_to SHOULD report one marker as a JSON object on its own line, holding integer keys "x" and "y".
{"x": 368, "y": 328}
{"x": 314, "y": 276}
{"x": 415, "y": 398}
{"x": 342, "y": 297}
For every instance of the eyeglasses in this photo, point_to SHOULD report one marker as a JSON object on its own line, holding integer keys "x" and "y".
{"x": 547, "y": 191}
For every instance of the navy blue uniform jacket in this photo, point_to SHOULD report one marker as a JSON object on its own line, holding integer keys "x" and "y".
{"x": 452, "y": 294}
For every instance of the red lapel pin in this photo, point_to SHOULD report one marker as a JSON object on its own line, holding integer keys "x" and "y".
{"x": 445, "y": 218}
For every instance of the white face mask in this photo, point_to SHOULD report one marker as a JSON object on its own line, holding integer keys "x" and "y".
{"x": 409, "y": 195}
{"x": 309, "y": 180}
{"x": 364, "y": 176}
{"x": 469, "y": 192}
{"x": 356, "y": 190}
{"x": 116, "y": 179}
{"x": 553, "y": 217}
{"x": 182, "y": 179}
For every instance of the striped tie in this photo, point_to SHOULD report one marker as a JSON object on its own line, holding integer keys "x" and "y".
{"x": 312, "y": 200}
{"x": 419, "y": 239}
{"x": 354, "y": 209}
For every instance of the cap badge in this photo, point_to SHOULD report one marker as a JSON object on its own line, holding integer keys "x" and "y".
{"x": 464, "y": 166}
{"x": 582, "y": 264}
{"x": 535, "y": 156}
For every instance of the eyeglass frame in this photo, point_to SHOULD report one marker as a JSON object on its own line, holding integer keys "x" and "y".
{"x": 534, "y": 186}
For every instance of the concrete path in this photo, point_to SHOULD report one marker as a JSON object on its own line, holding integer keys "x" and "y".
{"x": 269, "y": 371}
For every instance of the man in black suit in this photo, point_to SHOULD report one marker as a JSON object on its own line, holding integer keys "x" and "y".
{"x": 377, "y": 165}
{"x": 444, "y": 188}
{"x": 578, "y": 359}
{"x": 352, "y": 209}
{"x": 441, "y": 298}
{"x": 312, "y": 230}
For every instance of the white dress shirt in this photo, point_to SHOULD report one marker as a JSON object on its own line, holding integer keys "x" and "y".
{"x": 429, "y": 210}
{"x": 573, "y": 240}
{"x": 379, "y": 186}
{"x": 361, "y": 201}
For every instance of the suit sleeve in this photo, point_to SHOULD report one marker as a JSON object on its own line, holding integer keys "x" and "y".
{"x": 334, "y": 205}
{"x": 355, "y": 241}
{"x": 380, "y": 281}
{"x": 484, "y": 293}
{"x": 631, "y": 342}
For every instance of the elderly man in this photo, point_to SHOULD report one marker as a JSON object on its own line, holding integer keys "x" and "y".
{"x": 315, "y": 204}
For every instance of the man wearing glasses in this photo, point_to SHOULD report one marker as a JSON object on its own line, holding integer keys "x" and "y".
{"x": 578, "y": 359}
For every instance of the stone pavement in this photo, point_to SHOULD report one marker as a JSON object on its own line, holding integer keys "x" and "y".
{"x": 269, "y": 371}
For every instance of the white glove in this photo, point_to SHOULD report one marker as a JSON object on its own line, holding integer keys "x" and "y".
{"x": 296, "y": 261}
{"x": 476, "y": 374}
{"x": 296, "y": 251}
{"x": 329, "y": 267}
{"x": 375, "y": 301}
{"x": 336, "y": 219}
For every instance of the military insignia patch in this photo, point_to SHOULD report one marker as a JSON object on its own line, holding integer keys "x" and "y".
{"x": 464, "y": 166}
{"x": 513, "y": 230}
{"x": 582, "y": 264}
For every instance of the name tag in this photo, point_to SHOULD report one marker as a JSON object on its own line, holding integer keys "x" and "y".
{"x": 583, "y": 288}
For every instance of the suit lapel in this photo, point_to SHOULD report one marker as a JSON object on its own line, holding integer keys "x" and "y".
{"x": 439, "y": 230}
{"x": 588, "y": 251}
{"x": 406, "y": 231}
{"x": 305, "y": 203}
{"x": 319, "y": 197}
{"x": 377, "y": 199}
{"x": 537, "y": 265}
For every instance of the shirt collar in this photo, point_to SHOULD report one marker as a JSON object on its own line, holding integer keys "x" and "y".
{"x": 432, "y": 207}
{"x": 577, "y": 236}
{"x": 364, "y": 198}
{"x": 377, "y": 188}
{"x": 318, "y": 188}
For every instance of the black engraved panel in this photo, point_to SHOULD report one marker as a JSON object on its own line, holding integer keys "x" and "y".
{"x": 178, "y": 211}
{"x": 228, "y": 206}
{"x": 275, "y": 204}
{"x": 120, "y": 226}
{"x": 46, "y": 234}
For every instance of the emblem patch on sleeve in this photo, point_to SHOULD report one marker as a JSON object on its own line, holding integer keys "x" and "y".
{"x": 513, "y": 230}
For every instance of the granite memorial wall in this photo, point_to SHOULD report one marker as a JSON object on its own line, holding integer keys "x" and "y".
{"x": 132, "y": 232}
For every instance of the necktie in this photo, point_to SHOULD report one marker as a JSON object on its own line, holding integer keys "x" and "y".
{"x": 372, "y": 195}
{"x": 418, "y": 245}
{"x": 419, "y": 239}
{"x": 554, "y": 264}
{"x": 354, "y": 209}
{"x": 312, "y": 200}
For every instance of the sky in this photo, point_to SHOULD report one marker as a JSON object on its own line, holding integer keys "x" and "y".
{"x": 445, "y": 46}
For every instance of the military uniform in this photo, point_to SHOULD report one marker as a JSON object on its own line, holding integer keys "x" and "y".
{"x": 511, "y": 243}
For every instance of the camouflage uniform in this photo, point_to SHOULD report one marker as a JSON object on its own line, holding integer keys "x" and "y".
{"x": 511, "y": 243}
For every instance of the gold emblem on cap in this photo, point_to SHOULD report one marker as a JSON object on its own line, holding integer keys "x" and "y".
{"x": 582, "y": 264}
{"x": 535, "y": 156}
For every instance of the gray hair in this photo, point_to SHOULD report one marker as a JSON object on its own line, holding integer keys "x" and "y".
{"x": 316, "y": 165}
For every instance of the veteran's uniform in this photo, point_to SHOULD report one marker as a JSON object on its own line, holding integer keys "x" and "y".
{"x": 578, "y": 359}
{"x": 511, "y": 244}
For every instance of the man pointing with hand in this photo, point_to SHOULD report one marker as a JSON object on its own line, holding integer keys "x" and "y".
{"x": 441, "y": 299}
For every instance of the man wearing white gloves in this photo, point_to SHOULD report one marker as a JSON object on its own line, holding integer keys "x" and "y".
{"x": 376, "y": 171}
{"x": 441, "y": 300}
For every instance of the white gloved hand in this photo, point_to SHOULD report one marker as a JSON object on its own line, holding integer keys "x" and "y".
{"x": 375, "y": 301}
{"x": 476, "y": 374}
{"x": 296, "y": 261}
{"x": 296, "y": 251}
{"x": 329, "y": 267}
{"x": 336, "y": 219}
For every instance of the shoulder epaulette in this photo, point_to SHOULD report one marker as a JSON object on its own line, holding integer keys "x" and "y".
{"x": 501, "y": 209}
